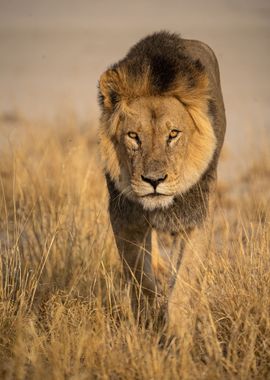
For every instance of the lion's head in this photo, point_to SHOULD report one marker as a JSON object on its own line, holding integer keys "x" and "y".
{"x": 155, "y": 144}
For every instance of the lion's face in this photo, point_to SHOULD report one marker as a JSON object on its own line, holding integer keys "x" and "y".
{"x": 160, "y": 151}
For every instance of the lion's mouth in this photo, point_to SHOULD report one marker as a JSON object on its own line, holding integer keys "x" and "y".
{"x": 155, "y": 195}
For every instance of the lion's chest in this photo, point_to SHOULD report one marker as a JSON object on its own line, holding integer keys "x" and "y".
{"x": 186, "y": 212}
{"x": 177, "y": 218}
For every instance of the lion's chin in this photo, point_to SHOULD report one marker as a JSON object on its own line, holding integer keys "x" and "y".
{"x": 152, "y": 202}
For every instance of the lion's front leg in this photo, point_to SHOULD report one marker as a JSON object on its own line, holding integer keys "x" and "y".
{"x": 134, "y": 246}
{"x": 187, "y": 285}
{"x": 187, "y": 282}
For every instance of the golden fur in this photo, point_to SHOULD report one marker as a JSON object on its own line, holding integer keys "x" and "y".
{"x": 161, "y": 131}
{"x": 135, "y": 107}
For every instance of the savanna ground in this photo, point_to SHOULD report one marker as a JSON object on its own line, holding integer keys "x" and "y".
{"x": 64, "y": 311}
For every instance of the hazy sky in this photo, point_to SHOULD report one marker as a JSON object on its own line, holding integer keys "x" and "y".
{"x": 124, "y": 16}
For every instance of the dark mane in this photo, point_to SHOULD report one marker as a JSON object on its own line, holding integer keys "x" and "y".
{"x": 158, "y": 65}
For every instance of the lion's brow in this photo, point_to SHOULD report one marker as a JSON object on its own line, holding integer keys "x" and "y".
{"x": 156, "y": 114}
{"x": 153, "y": 114}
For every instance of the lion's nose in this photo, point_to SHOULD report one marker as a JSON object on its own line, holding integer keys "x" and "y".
{"x": 154, "y": 181}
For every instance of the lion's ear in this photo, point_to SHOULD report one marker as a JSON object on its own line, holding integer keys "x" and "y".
{"x": 109, "y": 89}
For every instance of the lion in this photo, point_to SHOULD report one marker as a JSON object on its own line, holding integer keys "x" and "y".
{"x": 162, "y": 127}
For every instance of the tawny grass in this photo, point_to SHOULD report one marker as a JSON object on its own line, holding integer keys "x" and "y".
{"x": 64, "y": 309}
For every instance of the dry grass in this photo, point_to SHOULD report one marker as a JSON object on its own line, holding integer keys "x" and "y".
{"x": 64, "y": 312}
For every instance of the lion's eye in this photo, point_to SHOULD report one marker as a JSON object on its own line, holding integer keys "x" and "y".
{"x": 173, "y": 134}
{"x": 133, "y": 135}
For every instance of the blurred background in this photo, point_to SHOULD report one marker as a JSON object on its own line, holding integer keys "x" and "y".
{"x": 53, "y": 52}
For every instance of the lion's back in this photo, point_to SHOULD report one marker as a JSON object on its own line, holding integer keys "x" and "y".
{"x": 201, "y": 51}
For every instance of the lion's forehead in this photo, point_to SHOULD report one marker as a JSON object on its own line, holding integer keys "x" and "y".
{"x": 154, "y": 111}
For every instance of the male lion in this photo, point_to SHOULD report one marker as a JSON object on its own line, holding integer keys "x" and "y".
{"x": 161, "y": 131}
